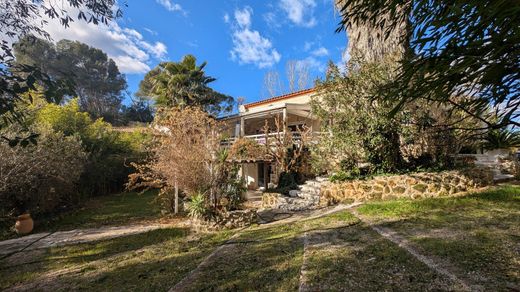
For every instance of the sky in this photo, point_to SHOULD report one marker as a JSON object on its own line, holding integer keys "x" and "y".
{"x": 240, "y": 40}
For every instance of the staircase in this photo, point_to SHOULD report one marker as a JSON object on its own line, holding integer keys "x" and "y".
{"x": 493, "y": 163}
{"x": 306, "y": 198}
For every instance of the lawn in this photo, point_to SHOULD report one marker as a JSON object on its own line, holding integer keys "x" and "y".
{"x": 117, "y": 209}
{"x": 477, "y": 237}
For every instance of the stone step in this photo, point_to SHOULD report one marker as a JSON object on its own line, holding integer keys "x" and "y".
{"x": 305, "y": 188}
{"x": 503, "y": 178}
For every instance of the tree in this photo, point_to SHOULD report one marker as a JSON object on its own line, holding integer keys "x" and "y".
{"x": 272, "y": 84}
{"x": 183, "y": 84}
{"x": 139, "y": 111}
{"x": 297, "y": 75}
{"x": 452, "y": 49}
{"x": 185, "y": 154}
{"x": 284, "y": 147}
{"x": 23, "y": 17}
{"x": 97, "y": 80}
{"x": 360, "y": 129}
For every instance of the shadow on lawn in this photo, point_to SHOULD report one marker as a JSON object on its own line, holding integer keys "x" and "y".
{"x": 358, "y": 259}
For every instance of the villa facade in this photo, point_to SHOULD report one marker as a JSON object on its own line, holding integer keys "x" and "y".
{"x": 293, "y": 109}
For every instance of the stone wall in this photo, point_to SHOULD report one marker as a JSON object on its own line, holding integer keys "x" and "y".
{"x": 237, "y": 219}
{"x": 414, "y": 186}
{"x": 226, "y": 220}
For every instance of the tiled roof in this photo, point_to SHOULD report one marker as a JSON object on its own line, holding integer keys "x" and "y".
{"x": 278, "y": 98}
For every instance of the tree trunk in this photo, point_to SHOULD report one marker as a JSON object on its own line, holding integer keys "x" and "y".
{"x": 176, "y": 198}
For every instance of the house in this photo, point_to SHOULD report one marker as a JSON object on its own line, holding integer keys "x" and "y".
{"x": 293, "y": 109}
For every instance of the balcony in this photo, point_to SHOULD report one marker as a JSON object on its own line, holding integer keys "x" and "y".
{"x": 261, "y": 138}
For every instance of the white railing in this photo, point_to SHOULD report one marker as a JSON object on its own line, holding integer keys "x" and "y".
{"x": 260, "y": 138}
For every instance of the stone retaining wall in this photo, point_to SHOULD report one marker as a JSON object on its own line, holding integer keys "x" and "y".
{"x": 227, "y": 220}
{"x": 418, "y": 185}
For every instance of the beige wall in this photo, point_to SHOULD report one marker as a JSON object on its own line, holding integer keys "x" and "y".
{"x": 250, "y": 171}
{"x": 300, "y": 99}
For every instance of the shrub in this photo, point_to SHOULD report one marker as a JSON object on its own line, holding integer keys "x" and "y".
{"x": 246, "y": 149}
{"x": 186, "y": 153}
{"x": 43, "y": 177}
{"x": 109, "y": 152}
{"x": 197, "y": 206}
{"x": 341, "y": 175}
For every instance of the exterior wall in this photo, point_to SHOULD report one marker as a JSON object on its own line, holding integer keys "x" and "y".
{"x": 250, "y": 171}
{"x": 300, "y": 99}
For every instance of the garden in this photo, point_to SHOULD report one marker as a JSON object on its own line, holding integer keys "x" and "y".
{"x": 411, "y": 184}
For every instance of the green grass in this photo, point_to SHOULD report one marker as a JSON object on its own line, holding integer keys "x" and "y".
{"x": 476, "y": 236}
{"x": 118, "y": 209}
{"x": 358, "y": 259}
{"x": 152, "y": 261}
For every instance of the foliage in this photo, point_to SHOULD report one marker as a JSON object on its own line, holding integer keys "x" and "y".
{"x": 287, "y": 181}
{"x": 228, "y": 184}
{"x": 454, "y": 48}
{"x": 43, "y": 177}
{"x": 501, "y": 138}
{"x": 183, "y": 84}
{"x": 349, "y": 170}
{"x": 359, "y": 128}
{"x": 19, "y": 18}
{"x": 283, "y": 147}
{"x": 109, "y": 152}
{"x": 139, "y": 111}
{"x": 97, "y": 81}
{"x": 186, "y": 153}
{"x": 197, "y": 206}
{"x": 362, "y": 131}
{"x": 246, "y": 149}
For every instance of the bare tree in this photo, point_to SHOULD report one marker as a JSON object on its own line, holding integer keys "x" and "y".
{"x": 302, "y": 72}
{"x": 291, "y": 72}
{"x": 298, "y": 75}
{"x": 279, "y": 141}
{"x": 272, "y": 84}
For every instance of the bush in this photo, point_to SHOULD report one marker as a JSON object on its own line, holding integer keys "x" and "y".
{"x": 246, "y": 149}
{"x": 41, "y": 178}
{"x": 287, "y": 181}
{"x": 341, "y": 175}
{"x": 197, "y": 206}
{"x": 109, "y": 152}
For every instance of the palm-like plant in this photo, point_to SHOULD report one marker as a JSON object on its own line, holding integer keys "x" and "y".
{"x": 183, "y": 84}
{"x": 502, "y": 138}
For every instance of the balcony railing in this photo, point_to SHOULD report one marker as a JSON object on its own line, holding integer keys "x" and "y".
{"x": 260, "y": 138}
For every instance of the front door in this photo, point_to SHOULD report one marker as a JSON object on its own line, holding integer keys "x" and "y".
{"x": 261, "y": 175}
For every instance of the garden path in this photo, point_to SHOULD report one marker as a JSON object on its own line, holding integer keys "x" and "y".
{"x": 60, "y": 238}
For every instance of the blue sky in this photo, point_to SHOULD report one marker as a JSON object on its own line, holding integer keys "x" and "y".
{"x": 240, "y": 40}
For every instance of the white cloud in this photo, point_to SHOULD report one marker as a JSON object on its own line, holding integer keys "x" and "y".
{"x": 249, "y": 46}
{"x": 300, "y": 12}
{"x": 272, "y": 20}
{"x": 170, "y": 6}
{"x": 320, "y": 52}
{"x": 129, "y": 49}
{"x": 150, "y": 31}
{"x": 226, "y": 18}
{"x": 243, "y": 17}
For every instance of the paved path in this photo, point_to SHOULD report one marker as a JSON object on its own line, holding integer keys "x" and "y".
{"x": 60, "y": 238}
